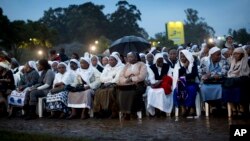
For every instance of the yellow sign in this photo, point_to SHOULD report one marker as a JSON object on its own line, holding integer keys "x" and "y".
{"x": 175, "y": 31}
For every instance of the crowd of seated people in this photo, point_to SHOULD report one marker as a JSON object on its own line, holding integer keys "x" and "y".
{"x": 114, "y": 86}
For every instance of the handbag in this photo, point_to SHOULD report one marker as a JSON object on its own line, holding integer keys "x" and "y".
{"x": 213, "y": 81}
{"x": 78, "y": 88}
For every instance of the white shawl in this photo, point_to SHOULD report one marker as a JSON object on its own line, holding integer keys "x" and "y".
{"x": 190, "y": 58}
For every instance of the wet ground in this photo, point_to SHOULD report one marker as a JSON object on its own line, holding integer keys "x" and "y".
{"x": 206, "y": 129}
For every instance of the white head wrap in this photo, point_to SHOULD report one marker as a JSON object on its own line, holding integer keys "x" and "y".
{"x": 62, "y": 63}
{"x": 117, "y": 53}
{"x": 86, "y": 74}
{"x": 98, "y": 61}
{"x": 189, "y": 57}
{"x": 243, "y": 67}
{"x": 213, "y": 50}
{"x": 224, "y": 50}
{"x": 86, "y": 59}
{"x": 32, "y": 64}
{"x": 75, "y": 61}
{"x": 117, "y": 58}
{"x": 157, "y": 56}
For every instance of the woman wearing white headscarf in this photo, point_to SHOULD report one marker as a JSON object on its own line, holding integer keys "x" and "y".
{"x": 149, "y": 59}
{"x": 185, "y": 85}
{"x": 142, "y": 57}
{"x": 204, "y": 51}
{"x": 40, "y": 89}
{"x": 105, "y": 98}
{"x": 20, "y": 96}
{"x": 237, "y": 93}
{"x": 89, "y": 77}
{"x": 212, "y": 73}
{"x": 105, "y": 61}
{"x": 229, "y": 42}
{"x": 31, "y": 77}
{"x": 96, "y": 63}
{"x": 159, "y": 96}
{"x": 73, "y": 65}
{"x": 54, "y": 65}
{"x": 225, "y": 61}
{"x": 57, "y": 98}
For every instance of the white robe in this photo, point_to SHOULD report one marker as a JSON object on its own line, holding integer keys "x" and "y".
{"x": 156, "y": 98}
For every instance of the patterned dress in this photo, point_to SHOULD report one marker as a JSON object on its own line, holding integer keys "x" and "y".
{"x": 59, "y": 101}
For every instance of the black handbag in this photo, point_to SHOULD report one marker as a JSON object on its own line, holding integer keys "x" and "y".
{"x": 213, "y": 81}
{"x": 78, "y": 88}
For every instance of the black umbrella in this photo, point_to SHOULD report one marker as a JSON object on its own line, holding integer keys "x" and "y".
{"x": 127, "y": 44}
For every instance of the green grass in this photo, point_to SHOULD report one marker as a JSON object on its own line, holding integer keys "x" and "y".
{"x": 20, "y": 136}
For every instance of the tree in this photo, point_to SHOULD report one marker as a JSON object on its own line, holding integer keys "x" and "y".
{"x": 124, "y": 21}
{"x": 103, "y": 44}
{"x": 241, "y": 36}
{"x": 195, "y": 28}
{"x": 81, "y": 23}
{"x": 161, "y": 40}
{"x": 4, "y": 31}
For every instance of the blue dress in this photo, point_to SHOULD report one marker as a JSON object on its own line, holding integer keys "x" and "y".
{"x": 212, "y": 90}
{"x": 185, "y": 93}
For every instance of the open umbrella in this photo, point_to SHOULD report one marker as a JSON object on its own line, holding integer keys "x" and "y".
{"x": 127, "y": 44}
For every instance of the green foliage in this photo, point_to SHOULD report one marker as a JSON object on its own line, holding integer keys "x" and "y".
{"x": 241, "y": 36}
{"x": 104, "y": 44}
{"x": 124, "y": 20}
{"x": 81, "y": 23}
{"x": 86, "y": 22}
{"x": 195, "y": 28}
{"x": 161, "y": 40}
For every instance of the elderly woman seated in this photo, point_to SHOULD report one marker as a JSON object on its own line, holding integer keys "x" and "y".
{"x": 185, "y": 83}
{"x": 20, "y": 96}
{"x": 235, "y": 87}
{"x": 159, "y": 95}
{"x": 131, "y": 85}
{"x": 87, "y": 80}
{"x": 57, "y": 98}
{"x": 105, "y": 96}
{"x": 212, "y": 73}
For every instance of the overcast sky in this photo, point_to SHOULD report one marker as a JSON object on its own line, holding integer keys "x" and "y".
{"x": 220, "y": 14}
